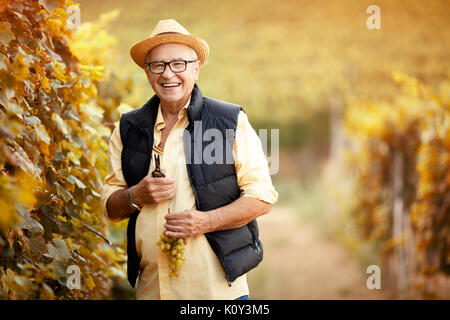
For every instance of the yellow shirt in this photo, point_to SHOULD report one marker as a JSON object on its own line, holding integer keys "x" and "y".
{"x": 201, "y": 275}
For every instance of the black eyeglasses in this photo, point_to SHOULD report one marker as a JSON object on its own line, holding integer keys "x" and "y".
{"x": 176, "y": 66}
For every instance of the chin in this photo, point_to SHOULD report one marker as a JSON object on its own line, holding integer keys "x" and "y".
{"x": 170, "y": 97}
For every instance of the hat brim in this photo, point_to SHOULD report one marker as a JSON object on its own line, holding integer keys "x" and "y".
{"x": 139, "y": 51}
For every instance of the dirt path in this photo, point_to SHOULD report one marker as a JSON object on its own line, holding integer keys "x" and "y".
{"x": 300, "y": 264}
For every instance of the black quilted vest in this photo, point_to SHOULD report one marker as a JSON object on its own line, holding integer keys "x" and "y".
{"x": 214, "y": 184}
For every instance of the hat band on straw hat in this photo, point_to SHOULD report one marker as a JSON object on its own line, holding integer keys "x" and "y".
{"x": 170, "y": 32}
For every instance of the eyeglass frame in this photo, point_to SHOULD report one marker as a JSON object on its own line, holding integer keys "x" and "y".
{"x": 168, "y": 64}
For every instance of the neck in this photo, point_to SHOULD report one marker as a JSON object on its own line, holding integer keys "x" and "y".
{"x": 171, "y": 109}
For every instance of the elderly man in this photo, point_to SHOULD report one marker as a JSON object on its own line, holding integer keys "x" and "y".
{"x": 214, "y": 201}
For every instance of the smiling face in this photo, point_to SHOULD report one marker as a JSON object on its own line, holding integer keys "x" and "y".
{"x": 173, "y": 88}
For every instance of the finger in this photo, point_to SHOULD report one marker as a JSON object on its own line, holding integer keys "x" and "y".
{"x": 160, "y": 192}
{"x": 169, "y": 181}
{"x": 176, "y": 216}
{"x": 162, "y": 188}
{"x": 180, "y": 235}
{"x": 173, "y": 228}
{"x": 170, "y": 195}
{"x": 179, "y": 223}
{"x": 162, "y": 196}
{"x": 163, "y": 181}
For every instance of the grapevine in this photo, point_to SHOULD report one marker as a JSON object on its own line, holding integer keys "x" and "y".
{"x": 404, "y": 143}
{"x": 52, "y": 158}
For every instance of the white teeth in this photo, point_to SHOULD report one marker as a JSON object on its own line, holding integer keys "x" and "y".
{"x": 170, "y": 84}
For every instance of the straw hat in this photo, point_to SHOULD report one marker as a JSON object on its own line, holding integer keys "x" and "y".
{"x": 169, "y": 31}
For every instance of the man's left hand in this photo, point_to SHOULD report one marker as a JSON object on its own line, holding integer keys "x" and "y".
{"x": 187, "y": 223}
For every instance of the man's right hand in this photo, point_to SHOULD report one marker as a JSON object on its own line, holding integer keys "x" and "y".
{"x": 148, "y": 191}
{"x": 152, "y": 190}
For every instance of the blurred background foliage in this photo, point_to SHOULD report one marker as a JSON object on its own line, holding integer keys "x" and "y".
{"x": 287, "y": 59}
{"x": 363, "y": 118}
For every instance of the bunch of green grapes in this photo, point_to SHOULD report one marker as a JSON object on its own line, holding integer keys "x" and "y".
{"x": 174, "y": 250}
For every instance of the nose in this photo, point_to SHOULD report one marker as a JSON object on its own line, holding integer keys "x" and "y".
{"x": 167, "y": 74}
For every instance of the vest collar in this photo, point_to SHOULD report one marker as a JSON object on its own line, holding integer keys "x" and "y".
{"x": 145, "y": 116}
{"x": 195, "y": 107}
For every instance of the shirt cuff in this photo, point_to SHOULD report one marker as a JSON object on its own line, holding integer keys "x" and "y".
{"x": 263, "y": 192}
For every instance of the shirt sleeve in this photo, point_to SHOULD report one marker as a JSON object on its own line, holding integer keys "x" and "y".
{"x": 114, "y": 180}
{"x": 251, "y": 164}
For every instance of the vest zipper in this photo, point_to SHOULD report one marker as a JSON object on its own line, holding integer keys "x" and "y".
{"x": 255, "y": 242}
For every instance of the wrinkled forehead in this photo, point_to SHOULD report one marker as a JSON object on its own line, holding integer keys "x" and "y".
{"x": 171, "y": 51}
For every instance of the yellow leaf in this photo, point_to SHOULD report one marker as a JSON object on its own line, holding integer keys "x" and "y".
{"x": 41, "y": 75}
{"x": 61, "y": 124}
{"x": 85, "y": 253}
{"x": 21, "y": 66}
{"x": 74, "y": 153}
{"x": 54, "y": 26}
{"x": 8, "y": 214}
{"x": 6, "y": 35}
{"x": 84, "y": 205}
{"x": 93, "y": 72}
{"x": 76, "y": 222}
{"x": 59, "y": 70}
{"x": 90, "y": 284}
{"x": 123, "y": 108}
{"x": 42, "y": 133}
{"x": 69, "y": 243}
{"x": 44, "y": 148}
{"x": 46, "y": 292}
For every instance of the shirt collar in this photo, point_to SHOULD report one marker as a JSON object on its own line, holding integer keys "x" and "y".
{"x": 160, "y": 124}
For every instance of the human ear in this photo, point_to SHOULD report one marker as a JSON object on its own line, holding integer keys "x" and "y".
{"x": 197, "y": 70}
